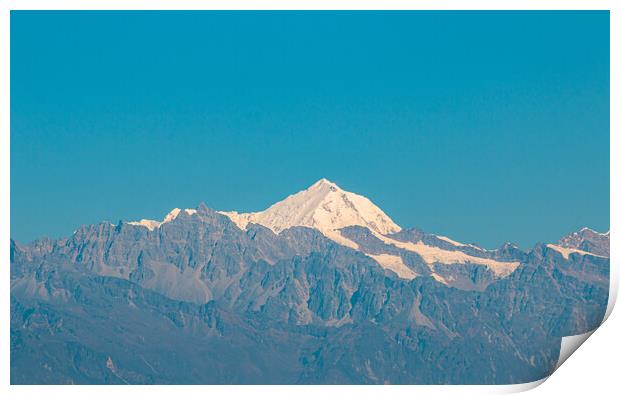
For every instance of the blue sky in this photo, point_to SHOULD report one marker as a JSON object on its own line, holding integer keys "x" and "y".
{"x": 483, "y": 126}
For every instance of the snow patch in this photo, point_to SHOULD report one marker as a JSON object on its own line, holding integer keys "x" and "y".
{"x": 431, "y": 254}
{"x": 171, "y": 215}
{"x": 240, "y": 219}
{"x": 394, "y": 263}
{"x": 585, "y": 228}
{"x": 336, "y": 236}
{"x": 456, "y": 243}
{"x": 565, "y": 251}
{"x": 152, "y": 224}
{"x": 446, "y": 239}
{"x": 439, "y": 278}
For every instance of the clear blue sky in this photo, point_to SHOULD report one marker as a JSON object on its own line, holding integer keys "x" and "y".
{"x": 483, "y": 126}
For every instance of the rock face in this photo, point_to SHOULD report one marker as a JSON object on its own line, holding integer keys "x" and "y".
{"x": 198, "y": 299}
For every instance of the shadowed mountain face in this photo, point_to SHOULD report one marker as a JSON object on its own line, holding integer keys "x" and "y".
{"x": 201, "y": 298}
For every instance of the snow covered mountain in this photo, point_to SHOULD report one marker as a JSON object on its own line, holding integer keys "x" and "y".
{"x": 326, "y": 207}
{"x": 322, "y": 287}
{"x": 587, "y": 240}
{"x": 339, "y": 215}
{"x": 584, "y": 242}
{"x": 330, "y": 209}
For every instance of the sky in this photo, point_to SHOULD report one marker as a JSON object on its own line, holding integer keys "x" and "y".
{"x": 486, "y": 127}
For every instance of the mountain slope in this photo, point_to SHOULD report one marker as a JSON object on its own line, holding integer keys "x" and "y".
{"x": 113, "y": 305}
{"x": 198, "y": 299}
{"x": 587, "y": 240}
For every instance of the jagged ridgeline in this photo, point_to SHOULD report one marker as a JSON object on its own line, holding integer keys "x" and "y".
{"x": 320, "y": 288}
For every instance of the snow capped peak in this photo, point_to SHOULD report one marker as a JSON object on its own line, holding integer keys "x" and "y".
{"x": 586, "y": 233}
{"x": 326, "y": 207}
{"x": 152, "y": 224}
{"x": 324, "y": 183}
{"x": 591, "y": 231}
{"x": 323, "y": 206}
{"x": 588, "y": 240}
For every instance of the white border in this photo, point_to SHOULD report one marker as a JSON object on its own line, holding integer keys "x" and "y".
{"x": 614, "y": 157}
{"x": 6, "y": 6}
{"x": 309, "y": 5}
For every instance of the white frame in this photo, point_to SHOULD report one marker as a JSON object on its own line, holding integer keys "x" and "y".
{"x": 6, "y": 6}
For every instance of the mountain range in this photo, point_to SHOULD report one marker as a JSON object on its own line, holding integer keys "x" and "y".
{"x": 322, "y": 287}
